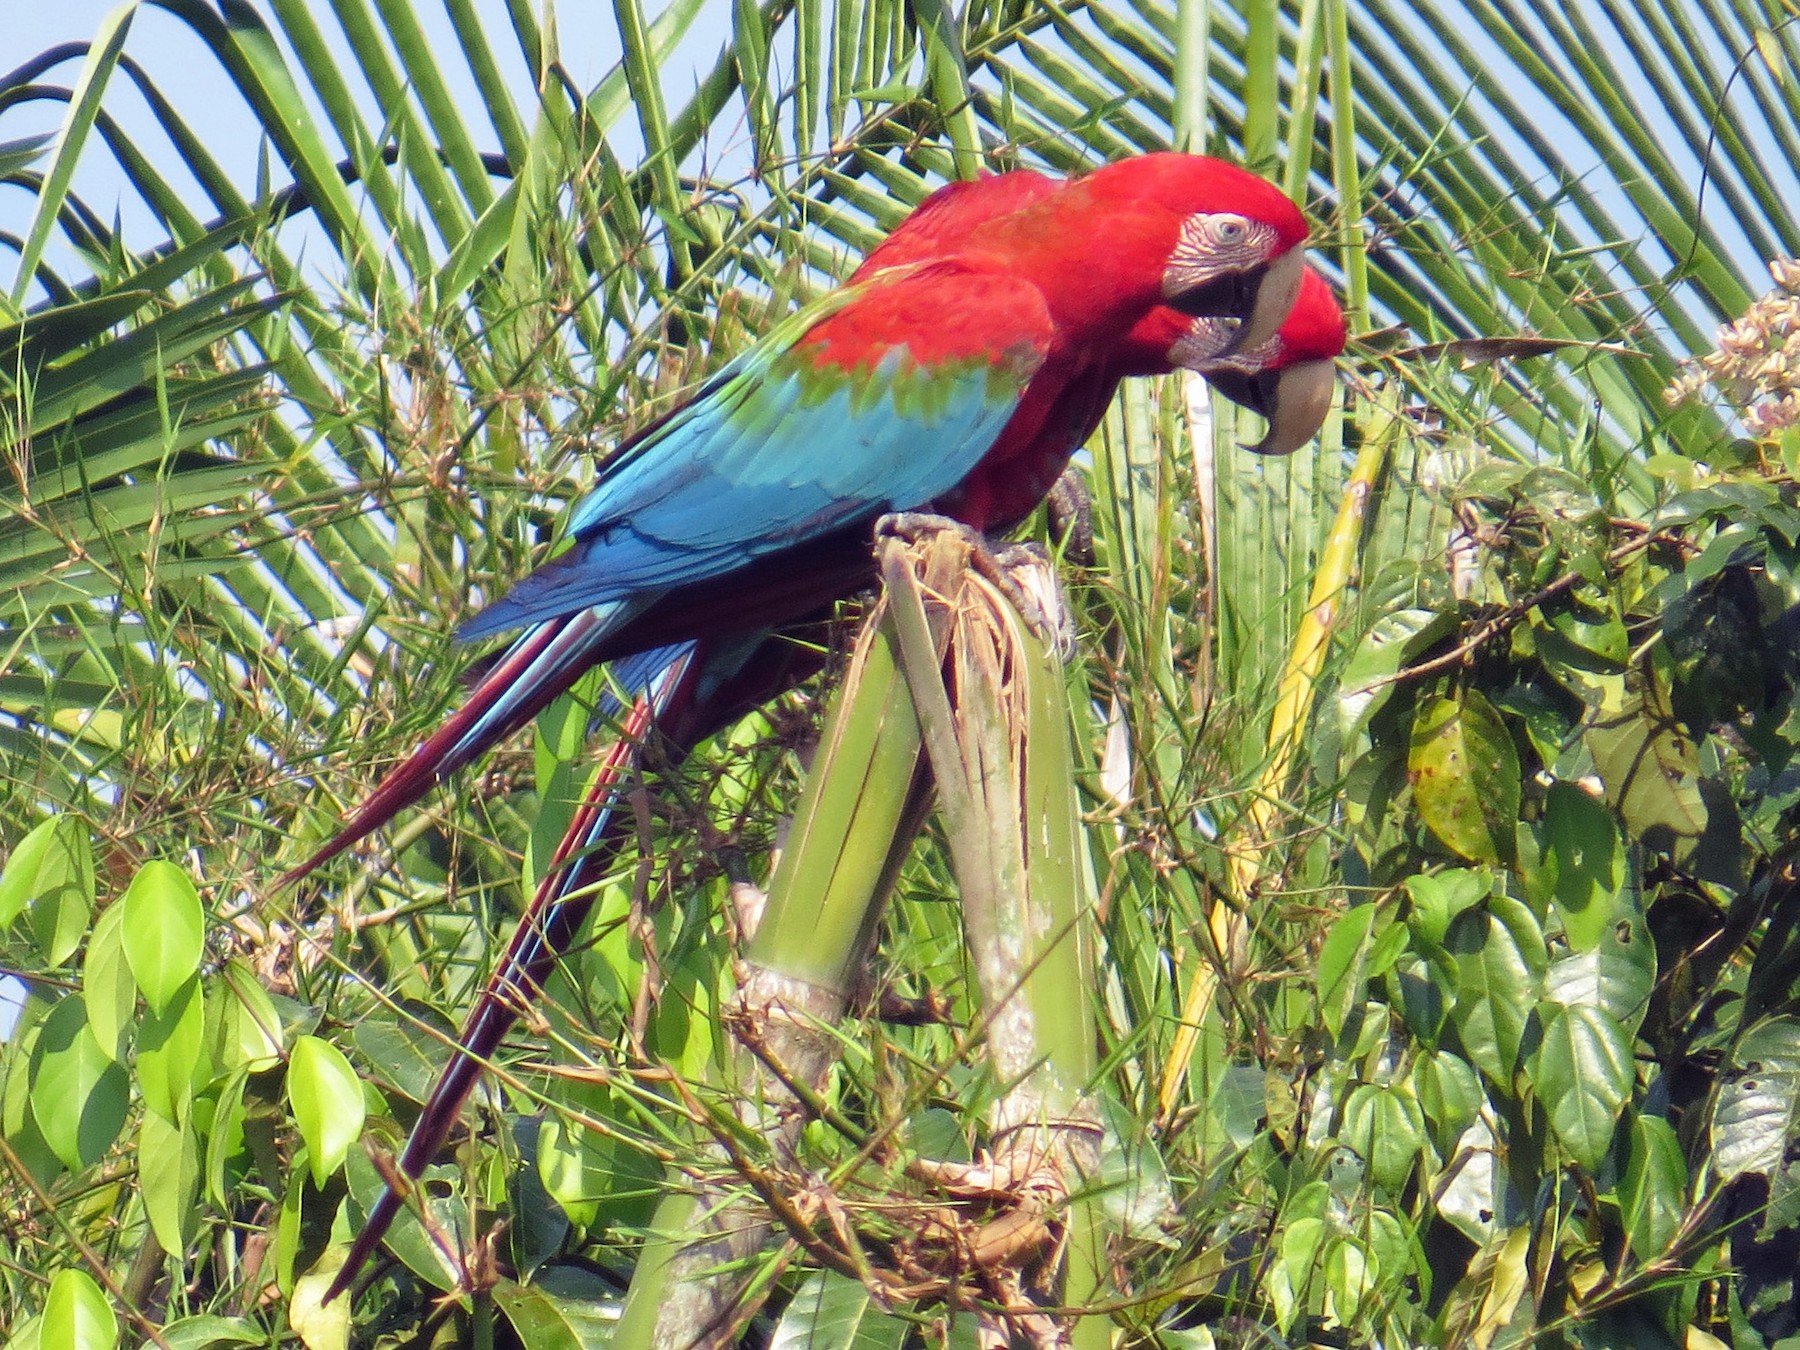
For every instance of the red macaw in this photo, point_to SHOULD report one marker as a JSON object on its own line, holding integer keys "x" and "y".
{"x": 726, "y": 517}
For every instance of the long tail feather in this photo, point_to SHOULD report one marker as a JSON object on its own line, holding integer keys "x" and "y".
{"x": 545, "y": 931}
{"x": 541, "y": 665}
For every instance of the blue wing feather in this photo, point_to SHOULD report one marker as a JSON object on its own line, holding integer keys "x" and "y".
{"x": 774, "y": 451}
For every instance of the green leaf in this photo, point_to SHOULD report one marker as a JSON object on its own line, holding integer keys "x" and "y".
{"x": 225, "y": 1140}
{"x": 78, "y": 1094}
{"x": 1653, "y": 1195}
{"x": 1449, "y": 1093}
{"x": 83, "y": 108}
{"x": 171, "y": 1054}
{"x": 1652, "y": 774}
{"x": 210, "y": 1333}
{"x": 1393, "y": 640}
{"x": 51, "y": 876}
{"x": 1584, "y": 1078}
{"x": 833, "y": 1312}
{"x": 1584, "y": 863}
{"x": 106, "y": 984}
{"x": 169, "y": 1170}
{"x": 327, "y": 1103}
{"x": 1341, "y": 965}
{"x": 563, "y": 1309}
{"x": 244, "y": 1030}
{"x": 1616, "y": 975}
{"x": 1757, "y": 1111}
{"x": 165, "y": 931}
{"x": 21, "y": 153}
{"x": 441, "y": 1192}
{"x": 77, "y": 1315}
{"x": 1384, "y": 1124}
{"x": 1439, "y": 897}
{"x": 593, "y": 1175}
{"x": 1497, "y": 968}
{"x": 1465, "y": 774}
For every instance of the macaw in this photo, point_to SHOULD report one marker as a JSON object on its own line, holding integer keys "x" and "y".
{"x": 731, "y": 516}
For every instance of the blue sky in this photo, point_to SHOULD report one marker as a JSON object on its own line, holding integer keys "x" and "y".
{"x": 201, "y": 91}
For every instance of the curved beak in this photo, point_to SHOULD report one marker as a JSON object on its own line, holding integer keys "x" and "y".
{"x": 1297, "y": 406}
{"x": 1275, "y": 296}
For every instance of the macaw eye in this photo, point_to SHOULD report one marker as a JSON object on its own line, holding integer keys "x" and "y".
{"x": 1213, "y": 244}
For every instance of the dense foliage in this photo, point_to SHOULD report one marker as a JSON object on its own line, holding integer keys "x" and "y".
{"x": 1438, "y": 785}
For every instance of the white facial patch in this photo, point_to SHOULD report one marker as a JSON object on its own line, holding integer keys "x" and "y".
{"x": 1204, "y": 340}
{"x": 1212, "y": 243}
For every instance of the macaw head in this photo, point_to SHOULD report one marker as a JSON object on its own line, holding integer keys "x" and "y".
{"x": 1225, "y": 243}
{"x": 1287, "y": 380}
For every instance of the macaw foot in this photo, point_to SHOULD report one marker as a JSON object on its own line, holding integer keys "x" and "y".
{"x": 1022, "y": 573}
{"x": 1071, "y": 513}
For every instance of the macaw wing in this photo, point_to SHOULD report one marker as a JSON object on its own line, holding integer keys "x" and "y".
{"x": 880, "y": 399}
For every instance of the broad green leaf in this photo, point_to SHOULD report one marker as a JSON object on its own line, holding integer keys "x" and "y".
{"x": 1449, "y": 1093}
{"x": 1384, "y": 1124}
{"x": 539, "y": 1228}
{"x": 594, "y": 1176}
{"x": 50, "y": 877}
{"x": 327, "y": 1102}
{"x": 1616, "y": 974}
{"x": 1132, "y": 1179}
{"x": 106, "y": 983}
{"x": 563, "y": 1309}
{"x": 1393, "y": 640}
{"x": 225, "y": 1140}
{"x": 1653, "y": 1195}
{"x": 1351, "y": 1274}
{"x": 1651, "y": 770}
{"x": 833, "y": 1312}
{"x": 206, "y": 1332}
{"x": 244, "y": 1028}
{"x": 1438, "y": 897}
{"x": 1756, "y": 1116}
{"x": 1584, "y": 862}
{"x": 1341, "y": 965}
{"x": 405, "y": 1054}
{"x": 169, "y": 1172}
{"x": 1301, "y": 1262}
{"x": 77, "y": 1315}
{"x": 171, "y": 1054}
{"x": 444, "y": 1200}
{"x": 78, "y": 1094}
{"x": 1584, "y": 1078}
{"x": 165, "y": 931}
{"x": 1497, "y": 968}
{"x": 1465, "y": 775}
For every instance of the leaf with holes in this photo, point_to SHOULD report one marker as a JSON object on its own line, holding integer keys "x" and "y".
{"x": 1465, "y": 776}
{"x": 1757, "y": 1112}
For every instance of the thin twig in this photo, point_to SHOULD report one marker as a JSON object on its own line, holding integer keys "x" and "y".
{"x": 151, "y": 1331}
